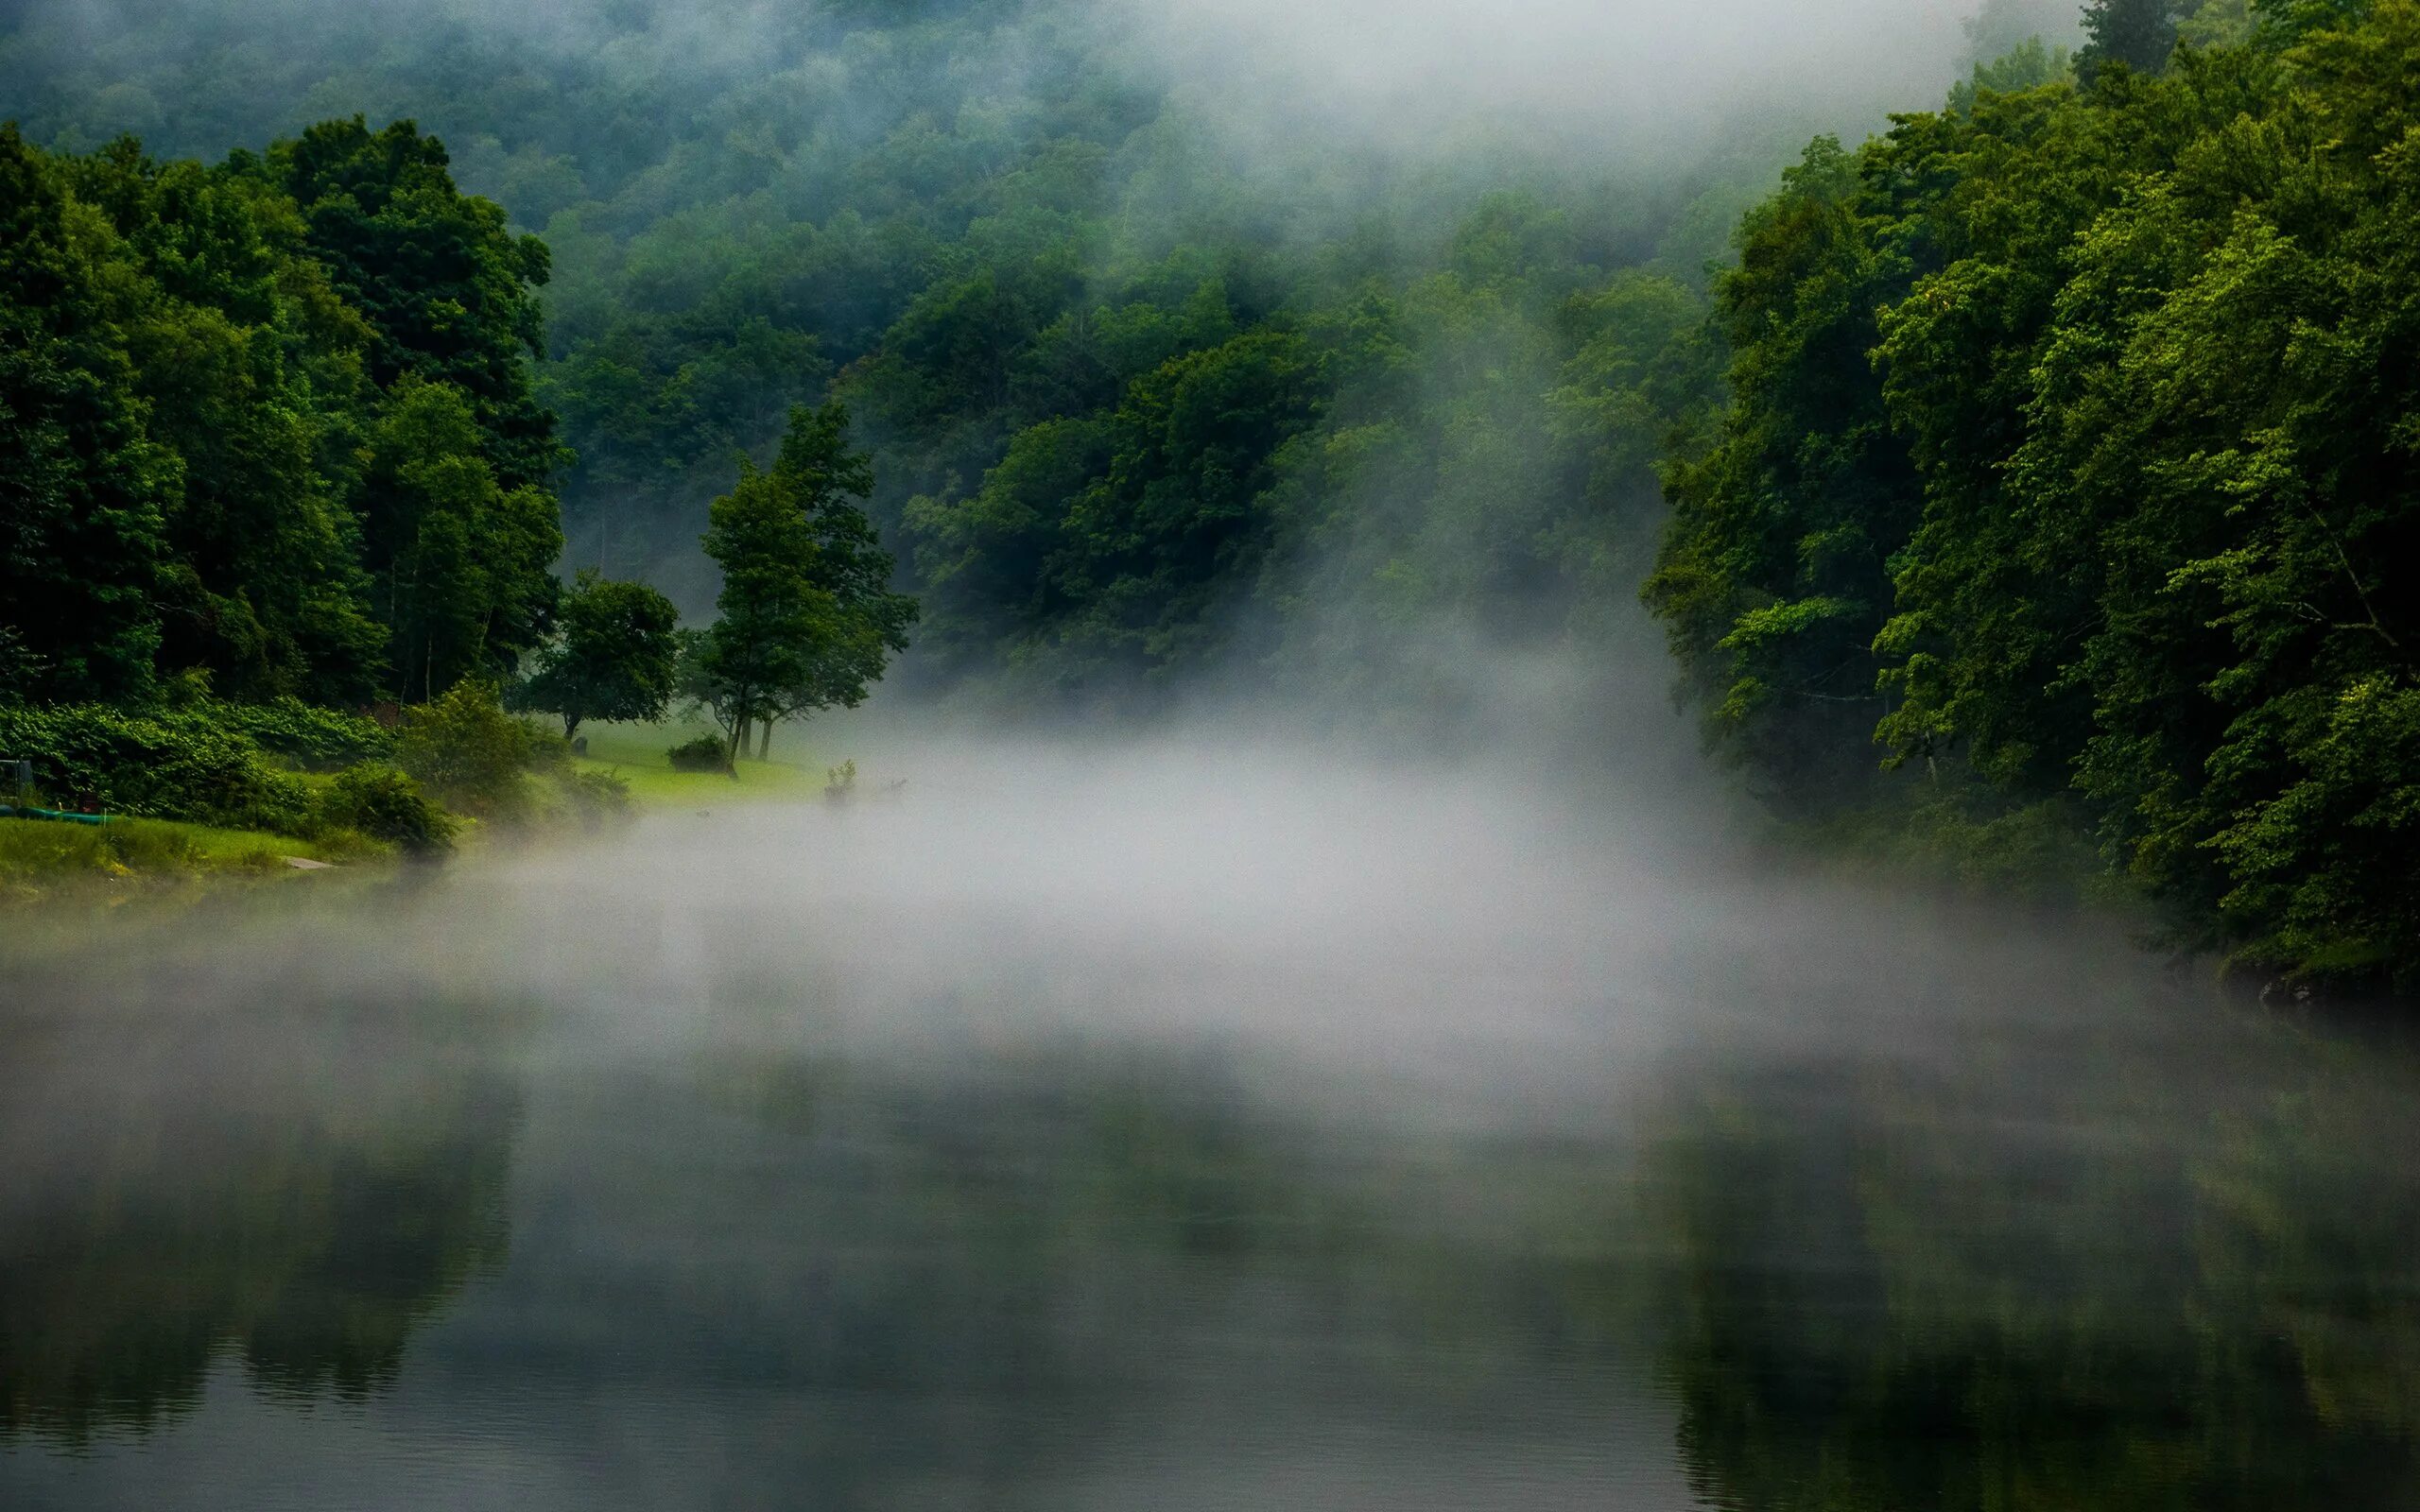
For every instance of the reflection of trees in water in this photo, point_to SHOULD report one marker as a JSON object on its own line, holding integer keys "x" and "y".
{"x": 1992, "y": 1281}
{"x": 1126, "y": 1227}
{"x": 300, "y": 1195}
{"x": 2186, "y": 1280}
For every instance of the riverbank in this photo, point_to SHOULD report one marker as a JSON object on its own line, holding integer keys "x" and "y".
{"x": 46, "y": 861}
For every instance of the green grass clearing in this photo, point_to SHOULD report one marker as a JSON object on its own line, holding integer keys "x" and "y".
{"x": 40, "y": 855}
{"x": 636, "y": 753}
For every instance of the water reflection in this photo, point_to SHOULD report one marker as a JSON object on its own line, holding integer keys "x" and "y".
{"x": 2016, "y": 1278}
{"x": 2077, "y": 1273}
{"x": 960, "y": 1169}
{"x": 296, "y": 1192}
{"x": 1054, "y": 1274}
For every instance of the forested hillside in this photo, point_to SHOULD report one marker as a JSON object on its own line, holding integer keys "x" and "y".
{"x": 2032, "y": 480}
{"x": 1133, "y": 387}
{"x": 2070, "y": 462}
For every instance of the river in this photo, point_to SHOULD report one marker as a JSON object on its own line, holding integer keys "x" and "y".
{"x": 1159, "y": 1129}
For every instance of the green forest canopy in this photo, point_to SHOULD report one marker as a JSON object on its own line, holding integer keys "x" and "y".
{"x": 272, "y": 420}
{"x": 2071, "y": 446}
{"x": 1024, "y": 265}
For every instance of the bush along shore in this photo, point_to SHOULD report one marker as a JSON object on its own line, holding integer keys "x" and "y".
{"x": 209, "y": 788}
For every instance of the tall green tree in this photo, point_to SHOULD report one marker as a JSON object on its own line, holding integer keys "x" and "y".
{"x": 460, "y": 563}
{"x": 2138, "y": 34}
{"x": 846, "y": 569}
{"x": 448, "y": 289}
{"x": 250, "y": 368}
{"x": 290, "y": 447}
{"x": 84, "y": 489}
{"x": 770, "y": 621}
{"x": 1774, "y": 574}
{"x": 613, "y": 655}
{"x": 807, "y": 618}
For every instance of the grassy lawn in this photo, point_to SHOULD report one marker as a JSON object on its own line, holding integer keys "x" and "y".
{"x": 42, "y": 856}
{"x": 635, "y": 754}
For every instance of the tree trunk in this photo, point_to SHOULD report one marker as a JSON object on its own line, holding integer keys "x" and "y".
{"x": 765, "y": 742}
{"x": 738, "y": 739}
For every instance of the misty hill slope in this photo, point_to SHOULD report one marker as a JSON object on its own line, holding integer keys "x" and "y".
{"x": 1026, "y": 241}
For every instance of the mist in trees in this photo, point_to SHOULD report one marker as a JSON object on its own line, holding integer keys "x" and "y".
{"x": 2063, "y": 467}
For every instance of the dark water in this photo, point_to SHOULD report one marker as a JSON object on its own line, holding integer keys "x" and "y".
{"x": 1435, "y": 1165}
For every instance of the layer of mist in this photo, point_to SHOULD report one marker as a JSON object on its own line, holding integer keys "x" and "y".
{"x": 1212, "y": 1116}
{"x": 1625, "y": 81}
{"x": 1627, "y": 78}
{"x": 1503, "y": 926}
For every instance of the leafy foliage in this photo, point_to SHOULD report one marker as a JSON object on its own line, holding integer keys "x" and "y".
{"x": 385, "y": 803}
{"x": 312, "y": 738}
{"x": 83, "y": 491}
{"x": 807, "y": 618}
{"x": 598, "y": 800}
{"x": 2137, "y": 34}
{"x": 707, "y": 753}
{"x": 2071, "y": 441}
{"x": 612, "y": 655}
{"x": 161, "y": 764}
{"x": 465, "y": 748}
{"x": 272, "y": 420}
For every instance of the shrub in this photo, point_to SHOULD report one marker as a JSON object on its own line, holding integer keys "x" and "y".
{"x": 464, "y": 747}
{"x": 599, "y": 798}
{"x": 282, "y": 803}
{"x": 320, "y": 740}
{"x": 177, "y": 765}
{"x": 705, "y": 754}
{"x": 386, "y": 804}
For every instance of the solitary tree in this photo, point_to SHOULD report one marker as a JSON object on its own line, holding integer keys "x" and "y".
{"x": 769, "y": 622}
{"x": 2138, "y": 33}
{"x": 612, "y": 655}
{"x": 807, "y": 617}
{"x": 848, "y": 567}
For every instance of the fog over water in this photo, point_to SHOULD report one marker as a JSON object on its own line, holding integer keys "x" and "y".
{"x": 1211, "y": 1118}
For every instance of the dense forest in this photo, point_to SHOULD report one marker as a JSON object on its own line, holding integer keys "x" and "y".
{"x": 2067, "y": 457}
{"x": 1120, "y": 373}
{"x": 2023, "y": 482}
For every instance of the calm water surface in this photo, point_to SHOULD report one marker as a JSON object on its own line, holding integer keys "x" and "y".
{"x": 1381, "y": 1147}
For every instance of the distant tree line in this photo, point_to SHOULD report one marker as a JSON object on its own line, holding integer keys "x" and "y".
{"x": 1132, "y": 399}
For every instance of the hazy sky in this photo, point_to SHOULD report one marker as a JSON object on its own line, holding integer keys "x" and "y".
{"x": 1399, "y": 70}
{"x": 1411, "y": 66}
